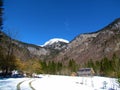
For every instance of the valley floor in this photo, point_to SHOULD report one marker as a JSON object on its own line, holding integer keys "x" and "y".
{"x": 56, "y": 82}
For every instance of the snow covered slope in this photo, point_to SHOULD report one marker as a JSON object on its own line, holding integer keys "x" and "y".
{"x": 56, "y": 82}
{"x": 55, "y": 40}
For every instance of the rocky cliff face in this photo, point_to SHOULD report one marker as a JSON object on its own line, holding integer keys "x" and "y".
{"x": 23, "y": 50}
{"x": 95, "y": 46}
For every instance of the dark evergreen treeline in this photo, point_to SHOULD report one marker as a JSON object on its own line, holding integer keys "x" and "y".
{"x": 106, "y": 67}
{"x": 52, "y": 67}
{"x": 103, "y": 67}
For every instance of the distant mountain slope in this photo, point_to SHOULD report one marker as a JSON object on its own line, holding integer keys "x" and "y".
{"x": 26, "y": 51}
{"x": 95, "y": 46}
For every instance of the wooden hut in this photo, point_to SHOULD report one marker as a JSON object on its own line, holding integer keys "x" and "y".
{"x": 85, "y": 72}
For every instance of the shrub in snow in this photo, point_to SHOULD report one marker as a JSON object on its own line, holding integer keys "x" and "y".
{"x": 118, "y": 81}
{"x": 105, "y": 84}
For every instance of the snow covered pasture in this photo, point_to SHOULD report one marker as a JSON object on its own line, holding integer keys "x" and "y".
{"x": 56, "y": 82}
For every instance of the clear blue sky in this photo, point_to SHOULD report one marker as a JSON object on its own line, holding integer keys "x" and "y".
{"x": 37, "y": 21}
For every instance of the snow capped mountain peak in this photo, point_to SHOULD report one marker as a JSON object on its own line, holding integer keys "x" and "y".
{"x": 55, "y": 40}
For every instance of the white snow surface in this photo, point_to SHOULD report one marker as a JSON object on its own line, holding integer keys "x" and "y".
{"x": 51, "y": 41}
{"x": 56, "y": 82}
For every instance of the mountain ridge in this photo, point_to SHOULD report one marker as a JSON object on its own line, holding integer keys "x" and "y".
{"x": 95, "y": 45}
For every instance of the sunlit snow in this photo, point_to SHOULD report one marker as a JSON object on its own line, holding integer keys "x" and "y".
{"x": 56, "y": 82}
{"x": 51, "y": 41}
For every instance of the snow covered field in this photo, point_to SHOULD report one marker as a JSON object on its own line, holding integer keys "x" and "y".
{"x": 56, "y": 82}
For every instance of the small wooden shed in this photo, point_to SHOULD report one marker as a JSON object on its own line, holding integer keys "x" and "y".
{"x": 86, "y": 72}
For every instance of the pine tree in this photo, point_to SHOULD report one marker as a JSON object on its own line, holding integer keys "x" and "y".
{"x": 1, "y": 14}
{"x": 97, "y": 67}
{"x": 7, "y": 58}
{"x": 72, "y": 65}
{"x": 44, "y": 66}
